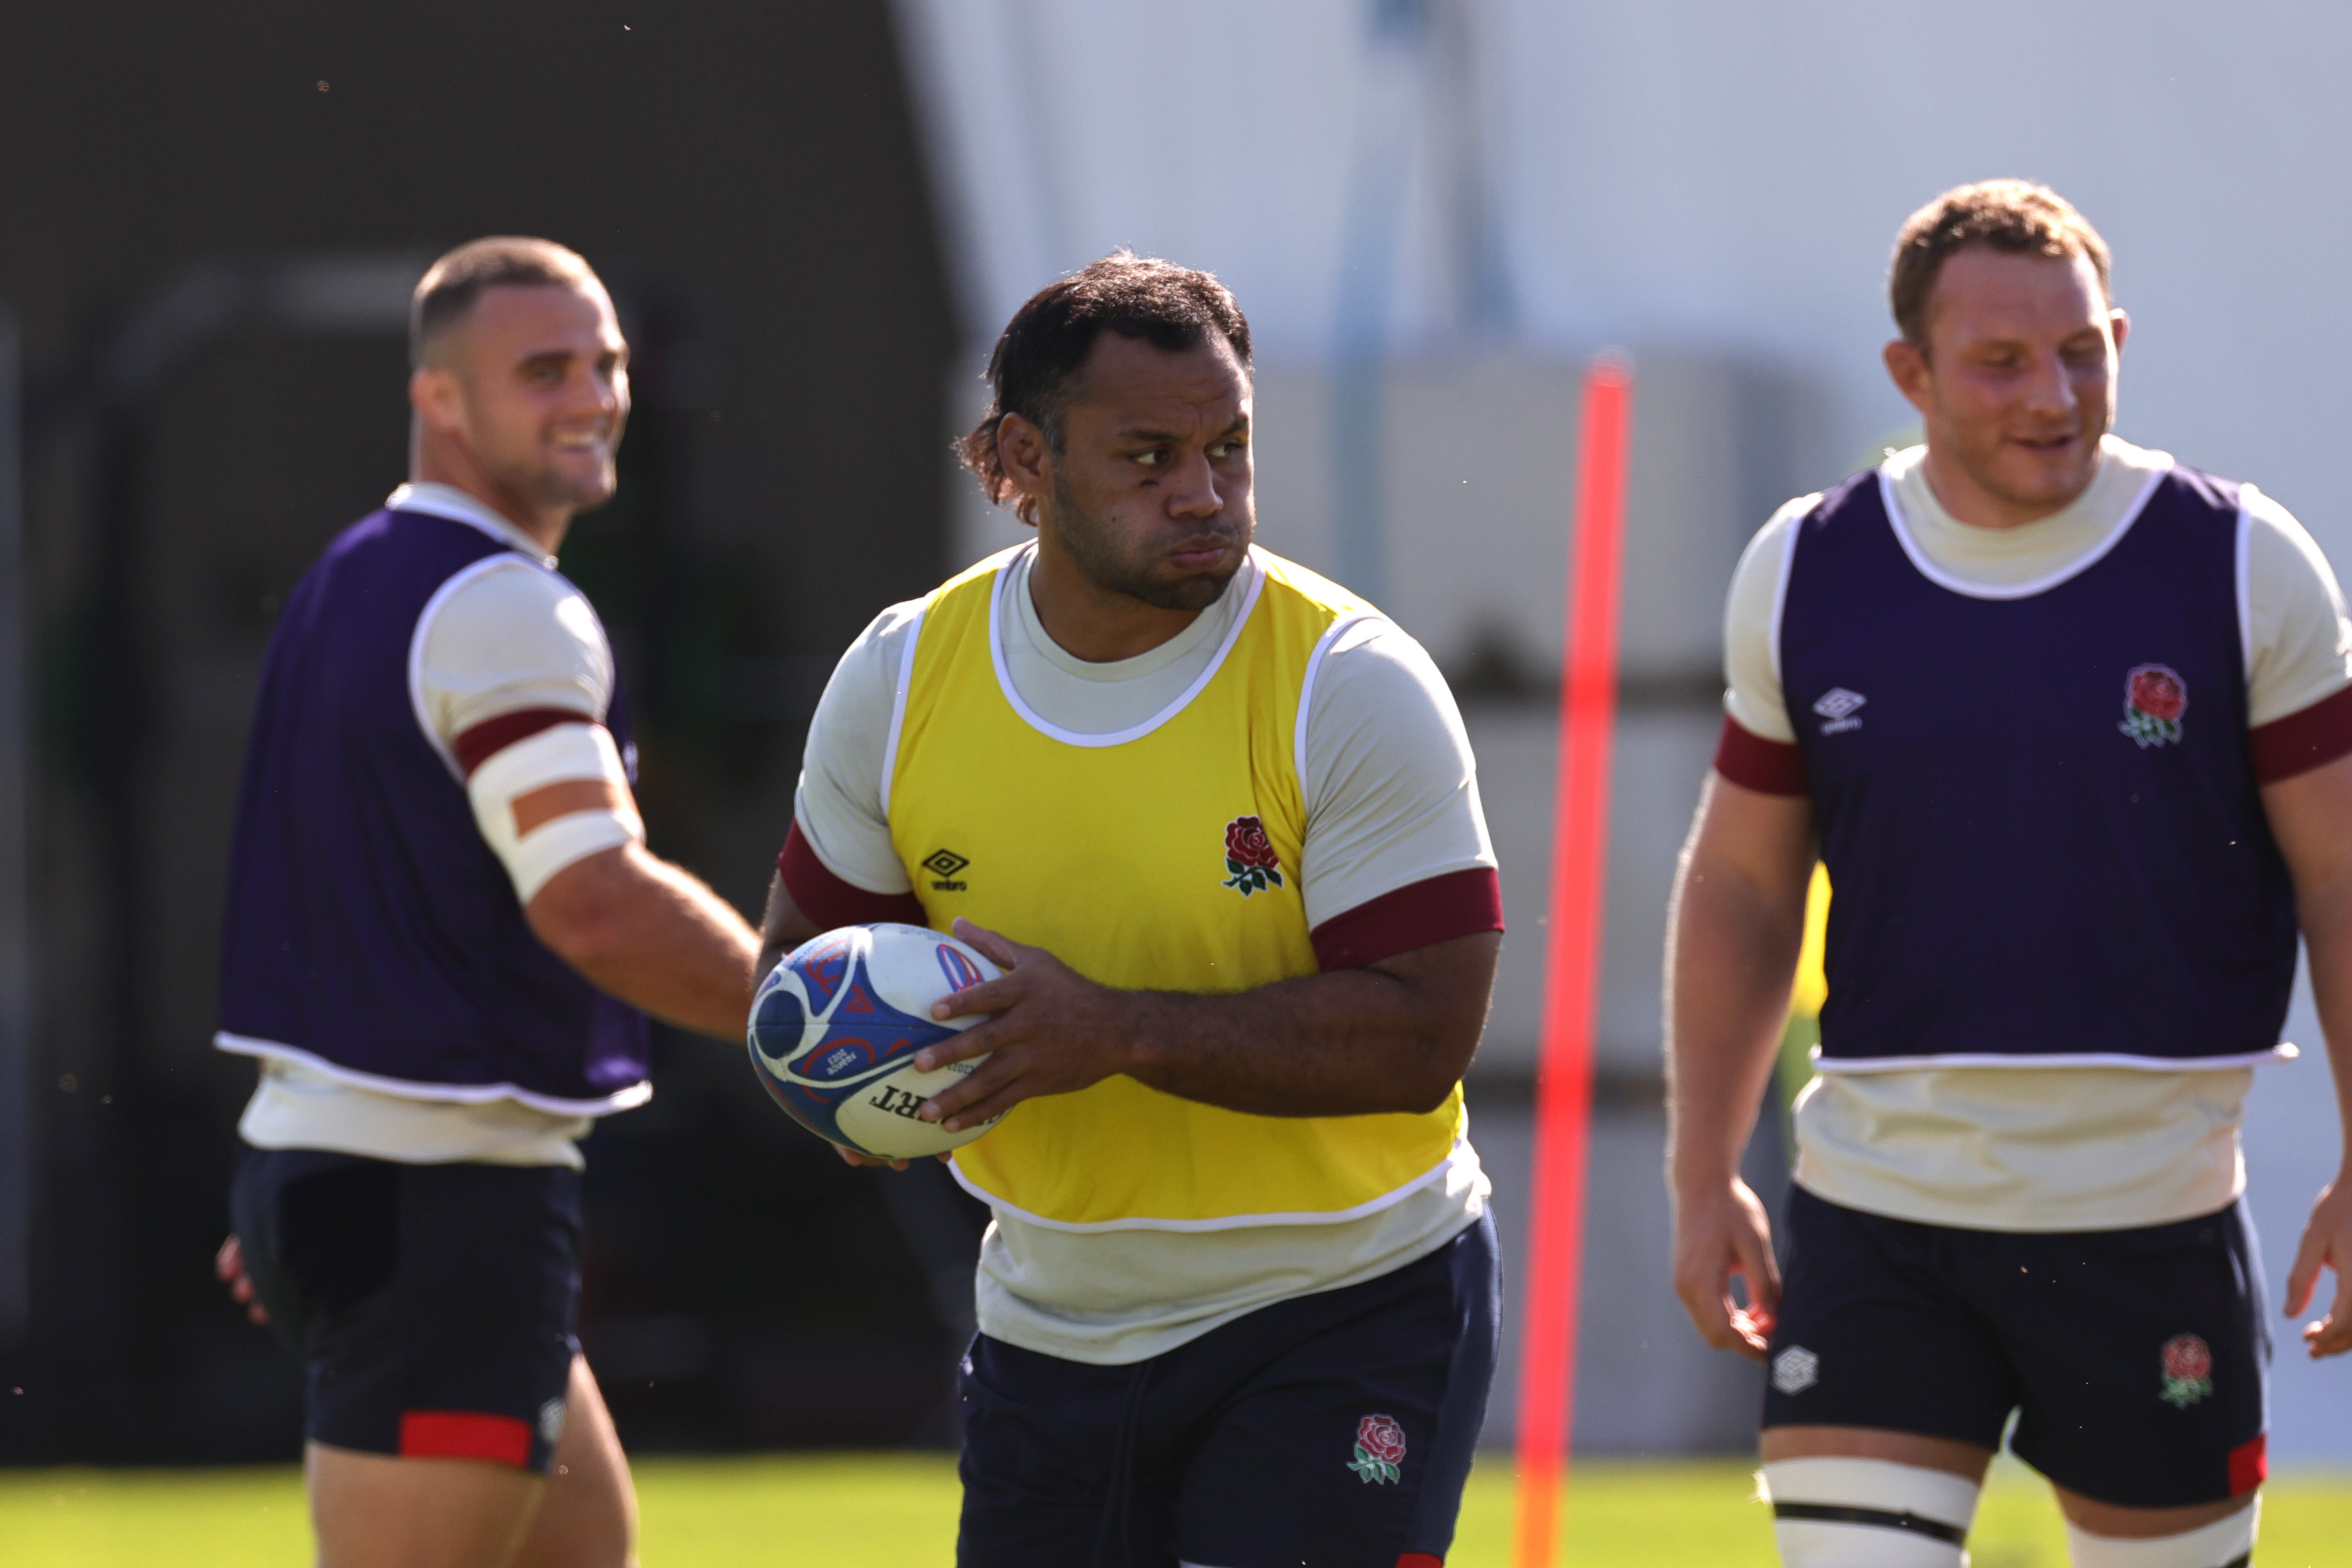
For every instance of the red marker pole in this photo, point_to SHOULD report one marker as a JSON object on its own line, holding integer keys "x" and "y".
{"x": 1588, "y": 716}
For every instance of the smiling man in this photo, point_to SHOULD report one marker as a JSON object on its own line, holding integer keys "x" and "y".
{"x": 444, "y": 934}
{"x": 2070, "y": 725}
{"x": 1218, "y": 819}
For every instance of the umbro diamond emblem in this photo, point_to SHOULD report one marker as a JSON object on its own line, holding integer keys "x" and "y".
{"x": 1795, "y": 1369}
{"x": 1837, "y": 707}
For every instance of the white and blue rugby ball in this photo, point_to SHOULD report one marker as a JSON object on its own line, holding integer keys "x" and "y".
{"x": 835, "y": 1027}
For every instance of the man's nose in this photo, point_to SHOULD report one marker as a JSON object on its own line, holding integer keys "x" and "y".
{"x": 596, "y": 392}
{"x": 2050, "y": 389}
{"x": 1193, "y": 488}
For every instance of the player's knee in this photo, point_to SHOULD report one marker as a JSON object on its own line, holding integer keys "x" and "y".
{"x": 1868, "y": 1513}
{"x": 2224, "y": 1544}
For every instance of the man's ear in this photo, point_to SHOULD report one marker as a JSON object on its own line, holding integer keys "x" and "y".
{"x": 1906, "y": 362}
{"x": 1027, "y": 460}
{"x": 433, "y": 393}
{"x": 2121, "y": 324}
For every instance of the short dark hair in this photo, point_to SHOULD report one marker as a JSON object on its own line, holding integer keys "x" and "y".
{"x": 451, "y": 285}
{"x": 1035, "y": 361}
{"x": 2013, "y": 216}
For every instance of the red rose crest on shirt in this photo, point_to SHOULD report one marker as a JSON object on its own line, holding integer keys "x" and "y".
{"x": 2188, "y": 1371}
{"x": 1380, "y": 1450}
{"x": 2155, "y": 696}
{"x": 1249, "y": 855}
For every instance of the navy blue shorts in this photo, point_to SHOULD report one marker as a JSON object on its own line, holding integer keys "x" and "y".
{"x": 2133, "y": 1358}
{"x": 1334, "y": 1430}
{"x": 432, "y": 1306}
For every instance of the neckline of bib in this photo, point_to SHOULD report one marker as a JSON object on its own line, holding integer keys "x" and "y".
{"x": 1969, "y": 588}
{"x": 1256, "y": 568}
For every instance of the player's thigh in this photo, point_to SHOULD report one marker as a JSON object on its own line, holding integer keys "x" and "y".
{"x": 2141, "y": 1358}
{"x": 1352, "y": 1447}
{"x": 375, "y": 1510}
{"x": 1059, "y": 1463}
{"x": 1875, "y": 1332}
{"x": 436, "y": 1302}
{"x": 588, "y": 1516}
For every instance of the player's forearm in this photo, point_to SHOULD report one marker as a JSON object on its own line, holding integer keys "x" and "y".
{"x": 1394, "y": 1038}
{"x": 643, "y": 930}
{"x": 1730, "y": 961}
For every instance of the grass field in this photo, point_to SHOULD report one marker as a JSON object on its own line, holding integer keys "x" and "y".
{"x": 895, "y": 1511}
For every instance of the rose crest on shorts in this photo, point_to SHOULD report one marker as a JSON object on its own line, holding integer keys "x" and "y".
{"x": 2188, "y": 1371}
{"x": 1249, "y": 855}
{"x": 1380, "y": 1450}
{"x": 2155, "y": 696}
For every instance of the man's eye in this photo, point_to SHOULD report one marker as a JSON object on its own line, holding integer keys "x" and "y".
{"x": 1225, "y": 449}
{"x": 1151, "y": 459}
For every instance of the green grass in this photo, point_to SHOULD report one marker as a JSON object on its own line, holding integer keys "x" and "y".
{"x": 898, "y": 1511}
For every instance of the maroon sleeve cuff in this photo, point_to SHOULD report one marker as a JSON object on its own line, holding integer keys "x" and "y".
{"x": 486, "y": 739}
{"x": 829, "y": 901}
{"x": 1459, "y": 904}
{"x": 1752, "y": 762}
{"x": 2303, "y": 741}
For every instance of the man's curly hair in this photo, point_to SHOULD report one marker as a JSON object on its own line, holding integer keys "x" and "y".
{"x": 1034, "y": 367}
{"x": 2013, "y": 216}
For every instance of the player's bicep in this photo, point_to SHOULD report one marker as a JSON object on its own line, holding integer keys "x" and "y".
{"x": 2310, "y": 815}
{"x": 551, "y": 798}
{"x": 1764, "y": 838}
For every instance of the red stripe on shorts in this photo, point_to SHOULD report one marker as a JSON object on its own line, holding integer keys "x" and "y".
{"x": 463, "y": 1434}
{"x": 2250, "y": 1466}
{"x": 1420, "y": 1560}
{"x": 486, "y": 739}
{"x": 1752, "y": 762}
{"x": 2301, "y": 741}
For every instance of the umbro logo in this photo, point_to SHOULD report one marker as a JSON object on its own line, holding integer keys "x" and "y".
{"x": 1837, "y": 707}
{"x": 1795, "y": 1369}
{"x": 943, "y": 865}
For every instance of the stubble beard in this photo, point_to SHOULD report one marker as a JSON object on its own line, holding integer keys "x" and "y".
{"x": 1089, "y": 544}
{"x": 1984, "y": 468}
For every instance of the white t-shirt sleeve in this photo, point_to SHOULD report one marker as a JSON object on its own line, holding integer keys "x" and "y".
{"x": 1751, "y": 670}
{"x": 2299, "y": 637}
{"x": 839, "y": 807}
{"x": 1392, "y": 786}
{"x": 514, "y": 635}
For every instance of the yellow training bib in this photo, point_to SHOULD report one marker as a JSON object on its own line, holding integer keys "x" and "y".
{"x": 1162, "y": 858}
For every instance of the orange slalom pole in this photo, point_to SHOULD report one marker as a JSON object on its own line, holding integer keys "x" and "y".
{"x": 1588, "y": 716}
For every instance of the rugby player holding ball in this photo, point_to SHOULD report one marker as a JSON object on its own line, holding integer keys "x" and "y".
{"x": 1218, "y": 819}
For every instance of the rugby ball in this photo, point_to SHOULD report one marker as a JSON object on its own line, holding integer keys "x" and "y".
{"x": 835, "y": 1027}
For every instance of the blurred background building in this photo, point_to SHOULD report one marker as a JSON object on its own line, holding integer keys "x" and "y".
{"x": 816, "y": 218}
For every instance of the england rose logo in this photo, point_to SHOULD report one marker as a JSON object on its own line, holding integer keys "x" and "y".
{"x": 2188, "y": 1371}
{"x": 1380, "y": 1450}
{"x": 2155, "y": 696}
{"x": 1249, "y": 855}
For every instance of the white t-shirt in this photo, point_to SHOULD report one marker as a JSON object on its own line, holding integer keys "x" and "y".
{"x": 1391, "y": 798}
{"x": 512, "y": 636}
{"x": 2030, "y": 1147}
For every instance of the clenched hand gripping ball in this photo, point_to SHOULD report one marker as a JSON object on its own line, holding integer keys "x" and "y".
{"x": 835, "y": 1027}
